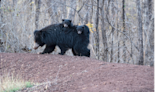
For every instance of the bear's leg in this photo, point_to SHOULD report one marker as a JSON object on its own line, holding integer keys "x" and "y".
{"x": 63, "y": 50}
{"x": 77, "y": 50}
{"x": 74, "y": 52}
{"x": 85, "y": 52}
{"x": 88, "y": 53}
{"x": 48, "y": 49}
{"x": 82, "y": 50}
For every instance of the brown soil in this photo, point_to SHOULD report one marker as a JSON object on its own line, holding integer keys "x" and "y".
{"x": 57, "y": 73}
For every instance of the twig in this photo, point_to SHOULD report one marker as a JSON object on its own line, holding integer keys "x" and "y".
{"x": 46, "y": 83}
{"x": 73, "y": 9}
{"x": 122, "y": 33}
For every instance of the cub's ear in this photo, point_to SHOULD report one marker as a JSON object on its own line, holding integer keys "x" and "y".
{"x": 63, "y": 19}
{"x": 70, "y": 20}
{"x": 36, "y": 31}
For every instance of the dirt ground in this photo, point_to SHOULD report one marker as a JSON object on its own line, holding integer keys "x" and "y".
{"x": 57, "y": 73}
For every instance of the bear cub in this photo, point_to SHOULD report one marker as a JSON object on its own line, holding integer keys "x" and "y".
{"x": 67, "y": 23}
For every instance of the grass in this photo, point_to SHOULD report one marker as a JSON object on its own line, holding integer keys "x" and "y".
{"x": 28, "y": 84}
{"x": 11, "y": 83}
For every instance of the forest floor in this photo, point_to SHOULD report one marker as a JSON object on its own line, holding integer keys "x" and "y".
{"x": 57, "y": 73}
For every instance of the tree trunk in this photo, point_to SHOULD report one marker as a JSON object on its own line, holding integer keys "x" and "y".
{"x": 118, "y": 36}
{"x": 97, "y": 31}
{"x": 91, "y": 15}
{"x": 113, "y": 29}
{"x": 150, "y": 7}
{"x": 50, "y": 3}
{"x": 140, "y": 34}
{"x": 64, "y": 10}
{"x": 37, "y": 2}
{"x": 104, "y": 34}
{"x": 111, "y": 54}
{"x": 0, "y": 15}
{"x": 1, "y": 34}
{"x": 71, "y": 13}
{"x": 123, "y": 18}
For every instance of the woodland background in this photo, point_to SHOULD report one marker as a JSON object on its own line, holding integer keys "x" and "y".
{"x": 122, "y": 31}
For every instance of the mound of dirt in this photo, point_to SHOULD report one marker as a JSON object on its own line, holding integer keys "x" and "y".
{"x": 57, "y": 73}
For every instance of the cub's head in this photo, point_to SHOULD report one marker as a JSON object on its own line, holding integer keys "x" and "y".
{"x": 83, "y": 29}
{"x": 66, "y": 22}
{"x": 80, "y": 29}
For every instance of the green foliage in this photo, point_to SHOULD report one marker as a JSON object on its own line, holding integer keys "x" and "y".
{"x": 28, "y": 84}
{"x": 13, "y": 83}
{"x": 13, "y": 89}
{"x": 16, "y": 88}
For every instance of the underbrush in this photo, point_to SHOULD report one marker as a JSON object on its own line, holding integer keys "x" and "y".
{"x": 11, "y": 83}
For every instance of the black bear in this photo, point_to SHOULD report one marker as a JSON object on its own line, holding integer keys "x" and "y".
{"x": 82, "y": 38}
{"x": 52, "y": 36}
{"x": 83, "y": 30}
{"x": 67, "y": 23}
{"x": 83, "y": 35}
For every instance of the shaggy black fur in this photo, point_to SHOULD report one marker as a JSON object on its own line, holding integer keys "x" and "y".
{"x": 52, "y": 36}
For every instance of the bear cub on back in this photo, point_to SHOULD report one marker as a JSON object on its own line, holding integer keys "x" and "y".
{"x": 67, "y": 23}
{"x": 83, "y": 30}
{"x": 53, "y": 35}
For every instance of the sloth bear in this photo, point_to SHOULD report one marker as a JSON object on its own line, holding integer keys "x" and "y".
{"x": 53, "y": 35}
{"x": 67, "y": 23}
{"x": 83, "y": 30}
{"x": 83, "y": 33}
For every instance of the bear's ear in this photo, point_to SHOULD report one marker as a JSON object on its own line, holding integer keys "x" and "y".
{"x": 70, "y": 20}
{"x": 39, "y": 31}
{"x": 36, "y": 31}
{"x": 62, "y": 19}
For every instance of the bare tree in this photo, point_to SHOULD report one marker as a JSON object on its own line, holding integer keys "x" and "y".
{"x": 71, "y": 11}
{"x": 97, "y": 31}
{"x": 50, "y": 4}
{"x": 104, "y": 33}
{"x": 118, "y": 36}
{"x": 123, "y": 18}
{"x": 140, "y": 34}
{"x": 148, "y": 31}
{"x": 38, "y": 3}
